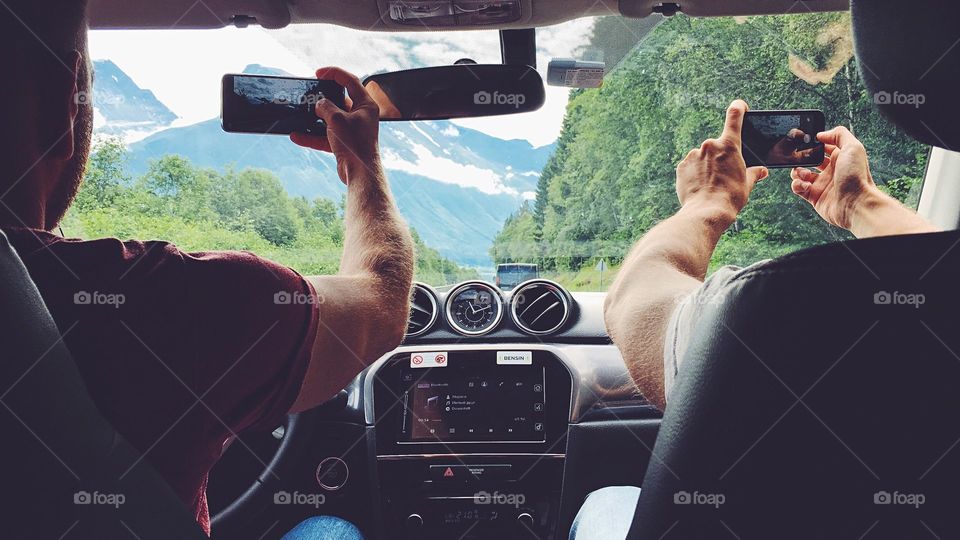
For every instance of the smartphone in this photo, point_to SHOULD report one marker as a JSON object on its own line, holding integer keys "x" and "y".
{"x": 276, "y": 105}
{"x": 778, "y": 139}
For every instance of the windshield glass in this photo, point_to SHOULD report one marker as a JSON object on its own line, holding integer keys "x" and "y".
{"x": 566, "y": 189}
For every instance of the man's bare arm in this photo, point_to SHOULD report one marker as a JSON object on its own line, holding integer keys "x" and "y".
{"x": 364, "y": 307}
{"x": 671, "y": 260}
{"x": 668, "y": 263}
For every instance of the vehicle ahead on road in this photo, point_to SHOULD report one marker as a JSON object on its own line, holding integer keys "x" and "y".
{"x": 512, "y": 274}
{"x": 496, "y": 418}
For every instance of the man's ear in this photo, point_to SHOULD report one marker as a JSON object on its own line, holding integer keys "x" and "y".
{"x": 67, "y": 106}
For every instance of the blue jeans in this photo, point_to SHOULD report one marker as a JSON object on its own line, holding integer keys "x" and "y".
{"x": 606, "y": 514}
{"x": 324, "y": 528}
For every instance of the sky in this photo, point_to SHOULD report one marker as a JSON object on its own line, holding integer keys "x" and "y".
{"x": 183, "y": 67}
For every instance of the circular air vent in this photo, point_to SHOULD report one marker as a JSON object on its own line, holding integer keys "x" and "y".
{"x": 539, "y": 306}
{"x": 423, "y": 310}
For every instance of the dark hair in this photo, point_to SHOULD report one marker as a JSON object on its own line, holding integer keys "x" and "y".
{"x": 36, "y": 39}
{"x": 44, "y": 30}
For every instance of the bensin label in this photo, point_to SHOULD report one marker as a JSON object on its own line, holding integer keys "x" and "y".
{"x": 428, "y": 359}
{"x": 515, "y": 358}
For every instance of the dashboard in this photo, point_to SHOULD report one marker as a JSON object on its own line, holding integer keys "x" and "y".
{"x": 494, "y": 418}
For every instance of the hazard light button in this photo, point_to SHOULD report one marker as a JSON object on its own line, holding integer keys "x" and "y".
{"x": 464, "y": 473}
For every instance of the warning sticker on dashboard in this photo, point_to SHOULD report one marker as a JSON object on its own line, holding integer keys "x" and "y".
{"x": 428, "y": 359}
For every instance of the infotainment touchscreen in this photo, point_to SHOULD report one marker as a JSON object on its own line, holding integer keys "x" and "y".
{"x": 475, "y": 400}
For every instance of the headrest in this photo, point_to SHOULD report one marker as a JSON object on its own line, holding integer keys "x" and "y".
{"x": 909, "y": 56}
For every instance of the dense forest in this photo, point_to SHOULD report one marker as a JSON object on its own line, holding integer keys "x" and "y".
{"x": 202, "y": 209}
{"x": 612, "y": 175}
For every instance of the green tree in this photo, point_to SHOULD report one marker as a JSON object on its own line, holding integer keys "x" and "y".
{"x": 201, "y": 209}
{"x": 255, "y": 198}
{"x": 105, "y": 177}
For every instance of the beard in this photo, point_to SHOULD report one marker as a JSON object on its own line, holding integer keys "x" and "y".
{"x": 65, "y": 190}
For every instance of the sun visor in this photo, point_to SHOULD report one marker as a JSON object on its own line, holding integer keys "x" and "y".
{"x": 909, "y": 56}
{"x": 716, "y": 8}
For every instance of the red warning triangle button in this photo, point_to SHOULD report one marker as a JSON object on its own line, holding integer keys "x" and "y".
{"x": 447, "y": 473}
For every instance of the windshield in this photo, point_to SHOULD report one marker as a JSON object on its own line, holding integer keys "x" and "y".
{"x": 565, "y": 190}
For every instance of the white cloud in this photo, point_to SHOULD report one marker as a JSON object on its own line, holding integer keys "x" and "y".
{"x": 365, "y": 53}
{"x": 448, "y": 171}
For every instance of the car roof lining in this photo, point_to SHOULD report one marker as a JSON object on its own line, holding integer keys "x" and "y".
{"x": 367, "y": 14}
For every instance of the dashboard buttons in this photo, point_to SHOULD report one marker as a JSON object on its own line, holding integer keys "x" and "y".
{"x": 466, "y": 473}
{"x": 448, "y": 473}
{"x": 332, "y": 473}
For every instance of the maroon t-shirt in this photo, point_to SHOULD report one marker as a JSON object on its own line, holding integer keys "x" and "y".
{"x": 178, "y": 350}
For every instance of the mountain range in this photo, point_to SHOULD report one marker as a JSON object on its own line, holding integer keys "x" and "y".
{"x": 454, "y": 185}
{"x": 124, "y": 109}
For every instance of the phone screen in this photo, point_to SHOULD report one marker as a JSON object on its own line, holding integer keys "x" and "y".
{"x": 278, "y": 105}
{"x": 782, "y": 138}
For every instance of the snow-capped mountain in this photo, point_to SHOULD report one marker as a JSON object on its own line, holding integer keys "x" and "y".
{"x": 454, "y": 185}
{"x": 123, "y": 109}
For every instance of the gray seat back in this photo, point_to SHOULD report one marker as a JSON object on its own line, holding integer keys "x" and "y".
{"x": 68, "y": 473}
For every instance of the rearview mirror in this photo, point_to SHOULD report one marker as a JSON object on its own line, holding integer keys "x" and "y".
{"x": 458, "y": 91}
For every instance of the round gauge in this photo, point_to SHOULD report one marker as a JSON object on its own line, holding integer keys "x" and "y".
{"x": 474, "y": 308}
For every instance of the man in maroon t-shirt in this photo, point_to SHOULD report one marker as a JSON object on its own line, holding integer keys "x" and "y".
{"x": 181, "y": 351}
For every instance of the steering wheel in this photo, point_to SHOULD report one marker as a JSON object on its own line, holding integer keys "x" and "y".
{"x": 229, "y": 522}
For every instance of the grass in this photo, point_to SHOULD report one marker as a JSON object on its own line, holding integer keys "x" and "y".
{"x": 585, "y": 279}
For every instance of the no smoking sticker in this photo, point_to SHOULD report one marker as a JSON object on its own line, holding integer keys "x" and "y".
{"x": 428, "y": 359}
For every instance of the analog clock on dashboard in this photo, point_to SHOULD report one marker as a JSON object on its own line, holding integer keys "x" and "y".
{"x": 474, "y": 308}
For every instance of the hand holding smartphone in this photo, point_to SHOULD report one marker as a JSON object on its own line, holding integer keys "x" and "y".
{"x": 780, "y": 139}
{"x": 275, "y": 105}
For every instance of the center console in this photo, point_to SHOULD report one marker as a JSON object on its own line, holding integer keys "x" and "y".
{"x": 470, "y": 443}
